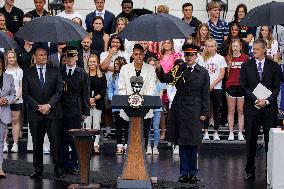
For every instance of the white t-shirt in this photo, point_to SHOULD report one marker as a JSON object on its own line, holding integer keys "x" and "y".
{"x": 213, "y": 65}
{"x": 73, "y": 15}
{"x": 17, "y": 74}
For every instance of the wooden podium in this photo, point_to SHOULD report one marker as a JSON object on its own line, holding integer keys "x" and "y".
{"x": 84, "y": 139}
{"x": 135, "y": 171}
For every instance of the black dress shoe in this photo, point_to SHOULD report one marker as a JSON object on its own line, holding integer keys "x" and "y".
{"x": 192, "y": 179}
{"x": 183, "y": 179}
{"x": 249, "y": 176}
{"x": 36, "y": 174}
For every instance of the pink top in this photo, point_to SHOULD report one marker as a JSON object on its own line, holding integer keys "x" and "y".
{"x": 167, "y": 63}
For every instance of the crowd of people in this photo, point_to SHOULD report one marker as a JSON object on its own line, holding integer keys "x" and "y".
{"x": 57, "y": 87}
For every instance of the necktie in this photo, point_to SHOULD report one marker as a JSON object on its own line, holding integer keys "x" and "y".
{"x": 189, "y": 69}
{"x": 259, "y": 69}
{"x": 41, "y": 79}
{"x": 70, "y": 72}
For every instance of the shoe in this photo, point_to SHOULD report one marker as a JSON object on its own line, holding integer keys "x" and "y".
{"x": 249, "y": 176}
{"x": 46, "y": 150}
{"x": 5, "y": 149}
{"x": 231, "y": 136}
{"x": 125, "y": 148}
{"x": 15, "y": 148}
{"x": 211, "y": 121}
{"x": 36, "y": 174}
{"x": 73, "y": 171}
{"x": 183, "y": 179}
{"x": 119, "y": 151}
{"x": 70, "y": 149}
{"x": 96, "y": 150}
{"x": 59, "y": 174}
{"x": 192, "y": 179}
{"x": 206, "y": 136}
{"x": 155, "y": 151}
{"x": 241, "y": 136}
{"x": 216, "y": 137}
{"x": 176, "y": 150}
{"x": 2, "y": 174}
{"x": 149, "y": 150}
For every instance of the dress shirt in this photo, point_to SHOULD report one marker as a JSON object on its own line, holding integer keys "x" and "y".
{"x": 43, "y": 71}
{"x": 72, "y": 68}
{"x": 102, "y": 13}
{"x": 191, "y": 67}
{"x": 262, "y": 63}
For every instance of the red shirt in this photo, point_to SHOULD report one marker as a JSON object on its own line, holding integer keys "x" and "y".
{"x": 235, "y": 70}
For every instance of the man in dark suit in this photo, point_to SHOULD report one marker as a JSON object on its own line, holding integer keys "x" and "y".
{"x": 100, "y": 11}
{"x": 56, "y": 57}
{"x": 257, "y": 111}
{"x": 85, "y": 52}
{"x": 75, "y": 105}
{"x": 42, "y": 91}
{"x": 189, "y": 108}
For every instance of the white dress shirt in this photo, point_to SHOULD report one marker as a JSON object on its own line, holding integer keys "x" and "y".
{"x": 43, "y": 71}
{"x": 68, "y": 68}
{"x": 102, "y": 13}
{"x": 262, "y": 63}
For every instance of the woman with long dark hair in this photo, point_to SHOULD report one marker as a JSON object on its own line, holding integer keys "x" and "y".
{"x": 99, "y": 37}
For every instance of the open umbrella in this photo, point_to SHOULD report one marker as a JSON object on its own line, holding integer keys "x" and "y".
{"x": 268, "y": 14}
{"x": 156, "y": 27}
{"x": 51, "y": 29}
{"x": 7, "y": 42}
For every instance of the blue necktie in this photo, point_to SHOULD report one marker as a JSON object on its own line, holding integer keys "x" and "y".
{"x": 259, "y": 69}
{"x": 41, "y": 79}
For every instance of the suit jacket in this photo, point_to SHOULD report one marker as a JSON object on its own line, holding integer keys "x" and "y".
{"x": 8, "y": 91}
{"x": 50, "y": 94}
{"x": 148, "y": 88}
{"x": 54, "y": 59}
{"x": 271, "y": 77}
{"x": 80, "y": 61}
{"x": 108, "y": 21}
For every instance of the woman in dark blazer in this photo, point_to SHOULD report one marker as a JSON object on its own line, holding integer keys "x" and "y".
{"x": 7, "y": 95}
{"x": 98, "y": 86}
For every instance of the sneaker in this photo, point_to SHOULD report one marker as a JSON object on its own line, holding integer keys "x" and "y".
{"x": 176, "y": 150}
{"x": 155, "y": 151}
{"x": 231, "y": 136}
{"x": 15, "y": 148}
{"x": 70, "y": 149}
{"x": 149, "y": 150}
{"x": 241, "y": 136}
{"x": 46, "y": 150}
{"x": 216, "y": 136}
{"x": 206, "y": 136}
{"x": 5, "y": 149}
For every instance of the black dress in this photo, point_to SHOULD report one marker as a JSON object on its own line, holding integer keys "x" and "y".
{"x": 98, "y": 42}
{"x": 98, "y": 85}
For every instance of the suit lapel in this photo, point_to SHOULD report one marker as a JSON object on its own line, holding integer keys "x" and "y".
{"x": 254, "y": 70}
{"x": 46, "y": 77}
{"x": 35, "y": 75}
{"x": 265, "y": 70}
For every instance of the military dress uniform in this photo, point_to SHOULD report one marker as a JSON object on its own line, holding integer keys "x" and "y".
{"x": 75, "y": 104}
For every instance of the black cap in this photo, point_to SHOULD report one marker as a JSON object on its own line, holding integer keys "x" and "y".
{"x": 138, "y": 46}
{"x": 189, "y": 49}
{"x": 70, "y": 51}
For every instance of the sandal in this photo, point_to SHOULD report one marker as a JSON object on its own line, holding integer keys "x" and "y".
{"x": 2, "y": 174}
{"x": 97, "y": 150}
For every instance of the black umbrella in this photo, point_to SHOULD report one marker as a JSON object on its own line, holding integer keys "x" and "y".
{"x": 156, "y": 27}
{"x": 51, "y": 29}
{"x": 268, "y": 14}
{"x": 7, "y": 42}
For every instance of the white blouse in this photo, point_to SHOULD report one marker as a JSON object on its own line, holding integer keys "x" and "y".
{"x": 17, "y": 74}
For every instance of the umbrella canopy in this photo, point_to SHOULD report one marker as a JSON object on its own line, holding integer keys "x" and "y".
{"x": 7, "y": 42}
{"x": 51, "y": 29}
{"x": 268, "y": 14}
{"x": 156, "y": 27}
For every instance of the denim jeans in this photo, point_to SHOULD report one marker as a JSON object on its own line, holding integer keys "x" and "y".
{"x": 156, "y": 124}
